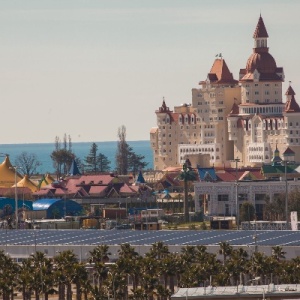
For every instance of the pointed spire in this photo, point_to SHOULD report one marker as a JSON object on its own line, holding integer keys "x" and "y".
{"x": 292, "y": 106}
{"x": 140, "y": 179}
{"x": 260, "y": 30}
{"x": 164, "y": 107}
{"x": 276, "y": 160}
{"x": 74, "y": 170}
{"x": 290, "y": 91}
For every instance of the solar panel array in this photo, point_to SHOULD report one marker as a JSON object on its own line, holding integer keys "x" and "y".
{"x": 148, "y": 237}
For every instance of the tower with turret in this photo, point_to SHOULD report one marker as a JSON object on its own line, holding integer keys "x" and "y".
{"x": 229, "y": 119}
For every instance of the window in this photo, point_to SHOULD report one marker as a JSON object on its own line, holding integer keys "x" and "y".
{"x": 224, "y": 197}
{"x": 243, "y": 197}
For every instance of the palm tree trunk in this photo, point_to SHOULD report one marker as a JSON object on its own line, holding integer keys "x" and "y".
{"x": 69, "y": 291}
{"x": 61, "y": 291}
{"x": 78, "y": 291}
{"x": 172, "y": 284}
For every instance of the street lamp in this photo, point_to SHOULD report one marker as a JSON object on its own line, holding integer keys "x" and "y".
{"x": 16, "y": 195}
{"x": 236, "y": 160}
{"x": 286, "y": 192}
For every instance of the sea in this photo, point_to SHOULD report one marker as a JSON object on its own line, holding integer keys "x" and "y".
{"x": 81, "y": 150}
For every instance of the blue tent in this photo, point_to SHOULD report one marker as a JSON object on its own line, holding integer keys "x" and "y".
{"x": 11, "y": 202}
{"x": 58, "y": 208}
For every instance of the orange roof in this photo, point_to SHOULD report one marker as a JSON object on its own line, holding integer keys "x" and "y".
{"x": 220, "y": 73}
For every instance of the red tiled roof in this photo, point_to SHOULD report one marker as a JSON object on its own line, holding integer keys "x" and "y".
{"x": 97, "y": 190}
{"x": 230, "y": 174}
{"x": 127, "y": 190}
{"x": 260, "y": 30}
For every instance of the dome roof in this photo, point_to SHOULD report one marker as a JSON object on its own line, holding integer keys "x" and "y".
{"x": 263, "y": 62}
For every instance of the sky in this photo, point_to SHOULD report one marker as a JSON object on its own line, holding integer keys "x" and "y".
{"x": 87, "y": 67}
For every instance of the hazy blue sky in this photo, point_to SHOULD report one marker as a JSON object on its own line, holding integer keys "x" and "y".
{"x": 86, "y": 67}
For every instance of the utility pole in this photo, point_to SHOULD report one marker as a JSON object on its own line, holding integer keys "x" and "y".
{"x": 286, "y": 193}
{"x": 236, "y": 160}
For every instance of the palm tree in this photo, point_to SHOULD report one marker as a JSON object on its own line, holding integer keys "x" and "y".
{"x": 225, "y": 250}
{"x": 158, "y": 250}
{"x": 236, "y": 265}
{"x": 189, "y": 254}
{"x": 187, "y": 175}
{"x": 278, "y": 253}
{"x": 41, "y": 270}
{"x": 81, "y": 280}
{"x": 65, "y": 272}
{"x": 127, "y": 266}
{"x": 98, "y": 258}
{"x": 8, "y": 273}
{"x": 25, "y": 278}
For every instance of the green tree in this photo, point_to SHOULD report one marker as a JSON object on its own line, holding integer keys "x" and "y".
{"x": 62, "y": 157}
{"x": 135, "y": 162}
{"x": 126, "y": 158}
{"x": 8, "y": 274}
{"x": 96, "y": 162}
{"x": 122, "y": 152}
{"x": 28, "y": 163}
{"x": 66, "y": 265}
{"x": 247, "y": 212}
{"x": 41, "y": 274}
{"x": 225, "y": 250}
{"x": 187, "y": 175}
{"x": 98, "y": 258}
{"x": 275, "y": 210}
{"x": 91, "y": 163}
{"x": 103, "y": 163}
{"x": 294, "y": 201}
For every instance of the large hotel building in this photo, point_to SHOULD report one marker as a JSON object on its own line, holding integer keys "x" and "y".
{"x": 228, "y": 119}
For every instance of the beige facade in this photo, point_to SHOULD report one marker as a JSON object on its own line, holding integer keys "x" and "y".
{"x": 230, "y": 119}
{"x": 220, "y": 199}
